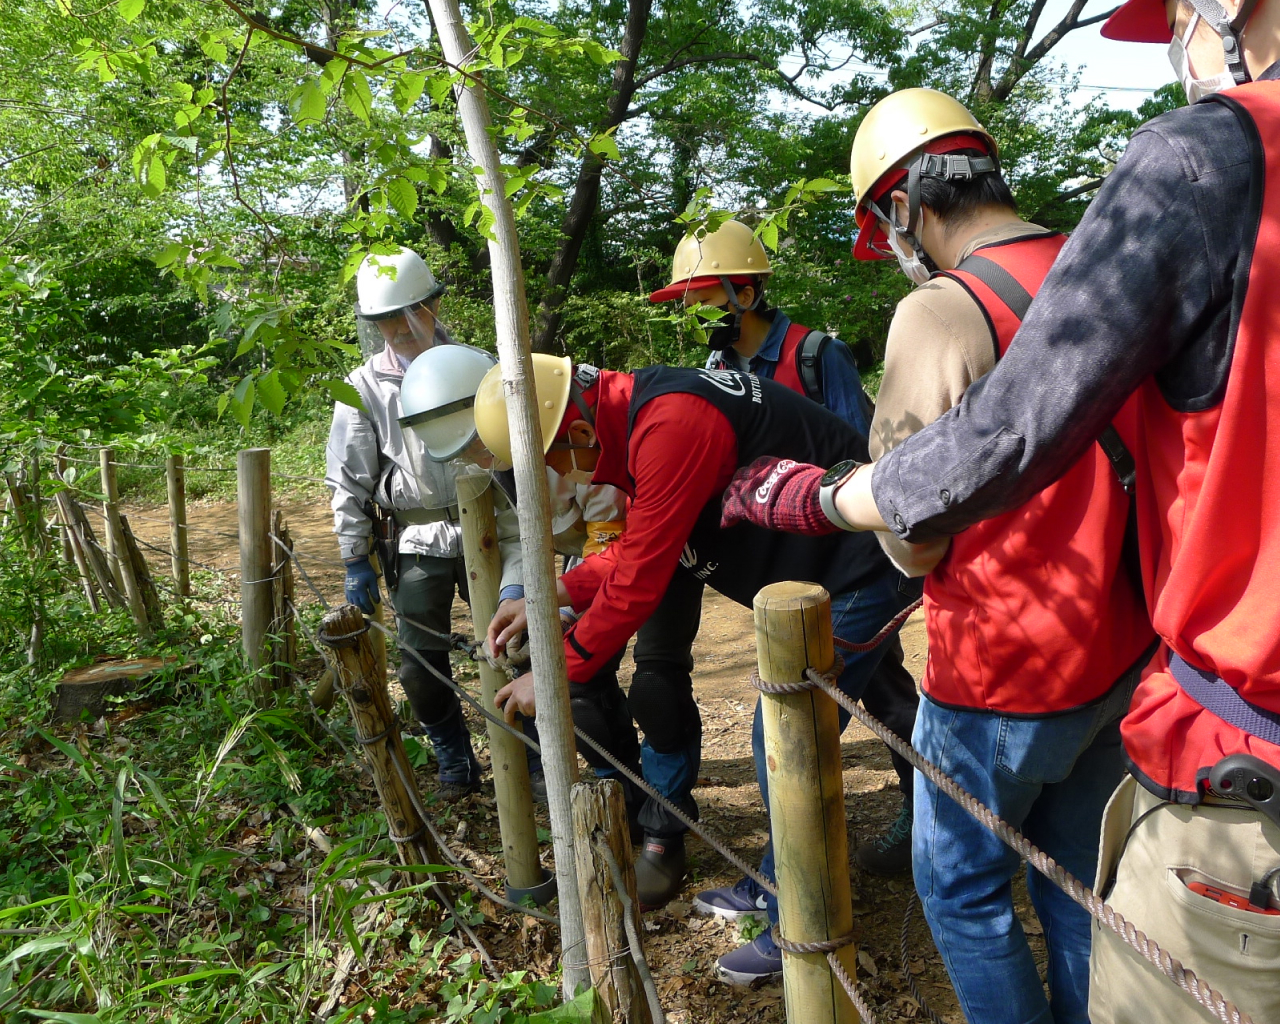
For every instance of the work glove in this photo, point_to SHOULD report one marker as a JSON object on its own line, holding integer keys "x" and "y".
{"x": 777, "y": 494}
{"x": 362, "y": 585}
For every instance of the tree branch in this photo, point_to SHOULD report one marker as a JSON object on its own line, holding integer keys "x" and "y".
{"x": 706, "y": 58}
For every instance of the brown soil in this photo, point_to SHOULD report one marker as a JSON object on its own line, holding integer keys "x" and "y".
{"x": 682, "y": 947}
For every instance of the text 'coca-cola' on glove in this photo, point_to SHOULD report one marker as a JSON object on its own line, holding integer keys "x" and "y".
{"x": 777, "y": 494}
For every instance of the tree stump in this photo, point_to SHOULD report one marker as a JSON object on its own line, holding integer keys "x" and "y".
{"x": 88, "y": 688}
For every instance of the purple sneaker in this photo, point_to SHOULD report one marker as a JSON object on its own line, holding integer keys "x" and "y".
{"x": 746, "y": 899}
{"x": 758, "y": 960}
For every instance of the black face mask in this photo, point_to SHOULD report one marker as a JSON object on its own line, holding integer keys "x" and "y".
{"x": 724, "y": 332}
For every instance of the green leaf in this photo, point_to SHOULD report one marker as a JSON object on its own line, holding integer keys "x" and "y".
{"x": 356, "y": 94}
{"x": 271, "y": 393}
{"x": 66, "y": 1018}
{"x": 130, "y": 9}
{"x": 403, "y": 196}
{"x": 40, "y": 945}
{"x": 242, "y": 401}
{"x": 604, "y": 147}
{"x": 579, "y": 1010}
{"x": 821, "y": 185}
{"x": 408, "y": 87}
{"x": 307, "y": 104}
{"x": 186, "y": 979}
{"x": 340, "y": 391}
{"x": 170, "y": 254}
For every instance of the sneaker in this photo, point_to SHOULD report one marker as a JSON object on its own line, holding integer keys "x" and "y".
{"x": 659, "y": 870}
{"x": 758, "y": 960}
{"x": 538, "y": 786}
{"x": 746, "y": 899}
{"x": 891, "y": 853}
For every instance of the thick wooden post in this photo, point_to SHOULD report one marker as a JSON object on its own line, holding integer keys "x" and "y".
{"x": 253, "y": 474}
{"x": 511, "y": 316}
{"x": 175, "y": 479}
{"x": 508, "y": 761}
{"x": 600, "y": 817}
{"x": 111, "y": 512}
{"x": 122, "y": 571}
{"x": 806, "y": 799}
{"x": 346, "y": 634}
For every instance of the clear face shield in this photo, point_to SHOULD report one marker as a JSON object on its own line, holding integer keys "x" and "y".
{"x": 409, "y": 332}
{"x": 443, "y": 446}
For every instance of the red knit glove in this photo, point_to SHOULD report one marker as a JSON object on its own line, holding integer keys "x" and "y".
{"x": 778, "y": 494}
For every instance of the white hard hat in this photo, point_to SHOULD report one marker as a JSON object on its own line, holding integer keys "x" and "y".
{"x": 387, "y": 285}
{"x": 438, "y": 394}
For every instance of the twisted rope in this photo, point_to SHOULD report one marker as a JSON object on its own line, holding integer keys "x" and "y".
{"x": 1186, "y": 979}
{"x": 889, "y": 629}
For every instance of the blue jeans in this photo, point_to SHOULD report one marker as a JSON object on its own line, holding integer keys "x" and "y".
{"x": 856, "y": 616}
{"x": 1050, "y": 778}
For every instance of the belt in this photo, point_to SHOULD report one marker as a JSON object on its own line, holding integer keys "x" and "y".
{"x": 423, "y": 516}
{"x": 1221, "y": 699}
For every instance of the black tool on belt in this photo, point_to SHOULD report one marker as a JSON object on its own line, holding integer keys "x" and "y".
{"x": 1250, "y": 779}
{"x": 386, "y": 542}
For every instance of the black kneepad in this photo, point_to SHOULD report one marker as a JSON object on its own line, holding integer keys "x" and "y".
{"x": 663, "y": 706}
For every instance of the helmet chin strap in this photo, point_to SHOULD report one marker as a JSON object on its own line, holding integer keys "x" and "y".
{"x": 1230, "y": 31}
{"x": 733, "y": 332}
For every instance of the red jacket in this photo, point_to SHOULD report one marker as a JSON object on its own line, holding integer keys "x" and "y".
{"x": 1033, "y": 612}
{"x": 1209, "y": 515}
{"x": 680, "y": 455}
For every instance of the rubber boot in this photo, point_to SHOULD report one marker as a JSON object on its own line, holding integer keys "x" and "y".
{"x": 459, "y": 772}
{"x": 659, "y": 870}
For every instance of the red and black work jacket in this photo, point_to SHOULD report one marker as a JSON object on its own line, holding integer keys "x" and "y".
{"x": 1209, "y": 521}
{"x": 1034, "y": 613}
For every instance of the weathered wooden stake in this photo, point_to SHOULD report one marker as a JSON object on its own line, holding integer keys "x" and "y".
{"x": 600, "y": 816}
{"x": 345, "y": 632}
{"x": 110, "y": 512}
{"x": 175, "y": 479}
{"x": 283, "y": 628}
{"x": 508, "y": 760}
{"x": 511, "y": 318}
{"x": 253, "y": 476}
{"x": 806, "y": 799}
{"x": 134, "y": 564}
{"x": 94, "y": 558}
{"x": 379, "y": 638}
{"x": 117, "y": 557}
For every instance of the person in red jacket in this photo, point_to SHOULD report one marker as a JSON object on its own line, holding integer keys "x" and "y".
{"x": 1164, "y": 296}
{"x": 671, "y": 439}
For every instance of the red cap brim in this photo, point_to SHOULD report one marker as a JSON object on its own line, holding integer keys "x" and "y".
{"x": 1139, "y": 21}
{"x": 681, "y": 288}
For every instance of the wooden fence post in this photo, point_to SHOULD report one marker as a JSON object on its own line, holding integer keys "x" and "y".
{"x": 121, "y": 565}
{"x": 175, "y": 479}
{"x": 345, "y": 632}
{"x": 110, "y": 512}
{"x": 508, "y": 760}
{"x": 600, "y": 817}
{"x": 546, "y": 642}
{"x": 806, "y": 799}
{"x": 253, "y": 476}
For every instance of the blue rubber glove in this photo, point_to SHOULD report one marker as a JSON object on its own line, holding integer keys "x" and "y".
{"x": 362, "y": 585}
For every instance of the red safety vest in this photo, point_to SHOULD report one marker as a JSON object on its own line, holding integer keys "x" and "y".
{"x": 1033, "y": 612}
{"x": 1209, "y": 517}
{"x": 787, "y": 372}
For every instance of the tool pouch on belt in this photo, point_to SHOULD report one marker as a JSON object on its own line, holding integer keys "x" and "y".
{"x": 386, "y": 541}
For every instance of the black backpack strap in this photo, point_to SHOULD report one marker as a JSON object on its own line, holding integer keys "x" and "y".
{"x": 808, "y": 364}
{"x": 1000, "y": 281}
{"x": 1120, "y": 457}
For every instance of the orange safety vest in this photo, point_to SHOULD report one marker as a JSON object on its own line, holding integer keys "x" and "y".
{"x": 1209, "y": 516}
{"x": 1033, "y": 612}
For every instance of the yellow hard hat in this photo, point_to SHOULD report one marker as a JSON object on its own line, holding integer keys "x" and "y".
{"x": 552, "y": 378}
{"x": 703, "y": 258}
{"x": 896, "y": 132}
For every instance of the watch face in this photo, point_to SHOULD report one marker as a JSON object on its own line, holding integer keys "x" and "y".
{"x": 838, "y": 472}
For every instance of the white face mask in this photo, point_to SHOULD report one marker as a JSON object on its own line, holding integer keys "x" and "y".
{"x": 912, "y": 265}
{"x": 1195, "y": 88}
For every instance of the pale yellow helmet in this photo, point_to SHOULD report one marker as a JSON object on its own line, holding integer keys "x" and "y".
{"x": 703, "y": 258}
{"x": 552, "y": 379}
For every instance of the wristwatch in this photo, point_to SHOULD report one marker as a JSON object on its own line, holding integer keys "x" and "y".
{"x": 832, "y": 480}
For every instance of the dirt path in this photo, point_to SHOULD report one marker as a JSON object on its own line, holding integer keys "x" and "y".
{"x": 682, "y": 946}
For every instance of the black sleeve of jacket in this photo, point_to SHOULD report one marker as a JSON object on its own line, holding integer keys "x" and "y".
{"x": 1143, "y": 286}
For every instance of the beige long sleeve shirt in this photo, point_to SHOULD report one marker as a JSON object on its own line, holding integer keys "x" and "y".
{"x": 939, "y": 343}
